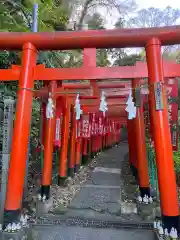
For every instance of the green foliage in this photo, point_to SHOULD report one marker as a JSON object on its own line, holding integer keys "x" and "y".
{"x": 109, "y": 7}
{"x": 16, "y": 16}
{"x": 35, "y": 123}
{"x": 8, "y": 58}
{"x": 102, "y": 58}
{"x": 151, "y": 153}
{"x": 127, "y": 60}
{"x": 176, "y": 157}
{"x": 95, "y": 21}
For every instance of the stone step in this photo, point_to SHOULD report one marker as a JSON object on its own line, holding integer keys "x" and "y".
{"x": 149, "y": 211}
{"x": 73, "y": 233}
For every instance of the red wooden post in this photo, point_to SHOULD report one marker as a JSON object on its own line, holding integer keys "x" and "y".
{"x": 48, "y": 149}
{"x": 78, "y": 146}
{"x": 78, "y": 155}
{"x": 162, "y": 137}
{"x": 43, "y": 116}
{"x": 132, "y": 148}
{"x": 86, "y": 134}
{"x": 20, "y": 135}
{"x": 150, "y": 119}
{"x": 84, "y": 150}
{"x": 93, "y": 137}
{"x": 89, "y": 148}
{"x": 71, "y": 164}
{"x": 65, "y": 137}
{"x": 58, "y": 128}
{"x": 93, "y": 146}
{"x": 106, "y": 134}
{"x": 139, "y": 138}
{"x": 96, "y": 139}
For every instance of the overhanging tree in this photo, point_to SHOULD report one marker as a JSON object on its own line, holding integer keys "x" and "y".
{"x": 86, "y": 7}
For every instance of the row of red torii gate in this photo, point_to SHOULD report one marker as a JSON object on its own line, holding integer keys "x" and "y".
{"x": 105, "y": 131}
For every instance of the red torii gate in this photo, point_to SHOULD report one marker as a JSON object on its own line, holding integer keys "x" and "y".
{"x": 87, "y": 73}
{"x": 91, "y": 54}
{"x": 116, "y": 38}
{"x": 116, "y": 107}
{"x": 151, "y": 39}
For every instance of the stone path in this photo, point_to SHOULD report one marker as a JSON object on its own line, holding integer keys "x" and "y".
{"x": 99, "y": 199}
{"x": 79, "y": 233}
{"x": 102, "y": 191}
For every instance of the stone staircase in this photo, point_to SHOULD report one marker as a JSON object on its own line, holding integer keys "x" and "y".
{"x": 104, "y": 207}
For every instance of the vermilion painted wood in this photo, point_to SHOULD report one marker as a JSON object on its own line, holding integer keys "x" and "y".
{"x": 116, "y": 38}
{"x": 161, "y": 133}
{"x": 91, "y": 73}
{"x": 48, "y": 146}
{"x": 21, "y": 130}
{"x": 140, "y": 141}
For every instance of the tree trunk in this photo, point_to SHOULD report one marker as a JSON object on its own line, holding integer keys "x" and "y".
{"x": 83, "y": 14}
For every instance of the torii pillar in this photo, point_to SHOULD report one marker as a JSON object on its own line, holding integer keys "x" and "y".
{"x": 48, "y": 149}
{"x": 65, "y": 138}
{"x": 139, "y": 138}
{"x": 21, "y": 133}
{"x": 162, "y": 136}
{"x": 132, "y": 148}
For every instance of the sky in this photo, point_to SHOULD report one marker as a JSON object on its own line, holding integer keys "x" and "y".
{"x": 158, "y": 3}
{"x": 146, "y": 4}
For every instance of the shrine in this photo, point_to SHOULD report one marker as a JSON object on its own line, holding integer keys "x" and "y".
{"x": 87, "y": 116}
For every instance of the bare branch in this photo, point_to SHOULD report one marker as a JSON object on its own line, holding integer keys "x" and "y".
{"x": 90, "y": 6}
{"x": 154, "y": 17}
